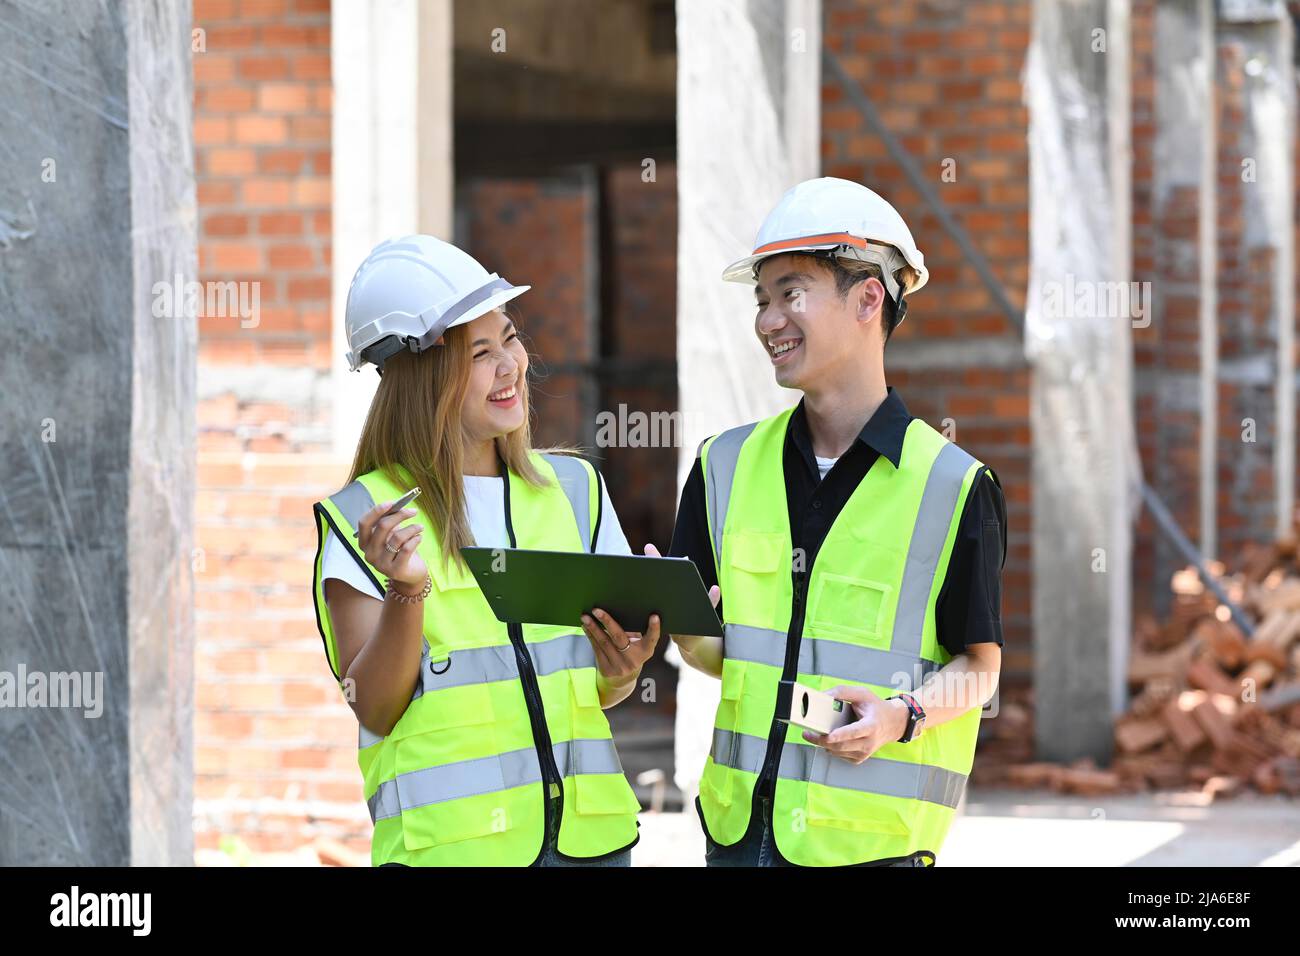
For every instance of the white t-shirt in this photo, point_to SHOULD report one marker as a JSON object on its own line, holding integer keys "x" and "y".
{"x": 824, "y": 464}
{"x": 485, "y": 508}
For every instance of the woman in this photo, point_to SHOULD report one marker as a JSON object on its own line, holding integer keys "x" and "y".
{"x": 480, "y": 743}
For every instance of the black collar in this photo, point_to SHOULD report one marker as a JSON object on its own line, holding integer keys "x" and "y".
{"x": 884, "y": 431}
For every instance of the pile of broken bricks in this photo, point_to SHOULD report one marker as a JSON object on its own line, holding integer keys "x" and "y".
{"x": 1211, "y": 710}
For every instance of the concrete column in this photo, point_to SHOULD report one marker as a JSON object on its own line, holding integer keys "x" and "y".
{"x": 1179, "y": 384}
{"x": 97, "y": 362}
{"x": 392, "y": 63}
{"x": 1256, "y": 320}
{"x": 748, "y": 94}
{"x": 1078, "y": 336}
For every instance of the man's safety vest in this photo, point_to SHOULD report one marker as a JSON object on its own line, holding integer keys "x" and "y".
{"x": 865, "y": 617}
{"x": 458, "y": 780}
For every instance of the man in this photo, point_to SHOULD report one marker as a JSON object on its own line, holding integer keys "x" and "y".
{"x": 857, "y": 551}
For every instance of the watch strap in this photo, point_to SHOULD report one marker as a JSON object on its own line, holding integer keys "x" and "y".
{"x": 915, "y": 714}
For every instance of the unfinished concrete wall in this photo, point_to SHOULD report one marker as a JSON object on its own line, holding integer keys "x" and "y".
{"x": 748, "y": 92}
{"x": 97, "y": 366}
{"x": 1078, "y": 335}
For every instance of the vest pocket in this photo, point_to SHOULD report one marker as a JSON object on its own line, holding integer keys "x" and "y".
{"x": 448, "y": 577}
{"x": 448, "y": 774}
{"x": 850, "y": 810}
{"x": 585, "y": 691}
{"x": 603, "y": 794}
{"x": 753, "y": 559}
{"x": 716, "y": 782}
{"x": 595, "y": 793}
{"x": 849, "y": 607}
{"x": 845, "y": 809}
{"x": 719, "y": 777}
{"x": 455, "y": 821}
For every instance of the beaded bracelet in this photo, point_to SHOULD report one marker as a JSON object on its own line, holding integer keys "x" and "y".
{"x": 401, "y": 598}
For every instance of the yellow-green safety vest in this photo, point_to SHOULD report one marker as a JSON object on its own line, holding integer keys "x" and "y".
{"x": 867, "y": 619}
{"x": 458, "y": 780}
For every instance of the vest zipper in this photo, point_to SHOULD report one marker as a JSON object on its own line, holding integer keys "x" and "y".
{"x": 536, "y": 715}
{"x": 766, "y": 786}
{"x": 532, "y": 693}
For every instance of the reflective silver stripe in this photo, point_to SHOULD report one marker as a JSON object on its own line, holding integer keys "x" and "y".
{"x": 574, "y": 757}
{"x": 738, "y": 751}
{"x": 575, "y": 480}
{"x": 353, "y": 502}
{"x": 383, "y": 803}
{"x": 468, "y": 778}
{"x": 940, "y": 499}
{"x": 466, "y": 665}
{"x": 891, "y": 778}
{"x": 496, "y": 662}
{"x": 453, "y": 781}
{"x": 723, "y": 455}
{"x": 761, "y": 645}
{"x": 562, "y": 653}
{"x": 483, "y": 665}
{"x": 835, "y": 659}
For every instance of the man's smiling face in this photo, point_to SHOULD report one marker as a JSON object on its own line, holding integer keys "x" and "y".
{"x": 809, "y": 331}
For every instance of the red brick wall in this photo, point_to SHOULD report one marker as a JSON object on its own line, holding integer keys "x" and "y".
{"x": 275, "y": 745}
{"x": 541, "y": 232}
{"x": 945, "y": 79}
{"x": 641, "y": 342}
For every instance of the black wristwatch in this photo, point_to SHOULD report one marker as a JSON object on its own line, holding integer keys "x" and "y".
{"x": 915, "y": 718}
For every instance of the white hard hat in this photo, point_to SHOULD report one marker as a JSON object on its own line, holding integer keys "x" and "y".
{"x": 842, "y": 216}
{"x": 411, "y": 290}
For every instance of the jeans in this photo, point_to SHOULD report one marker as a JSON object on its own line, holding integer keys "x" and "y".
{"x": 758, "y": 847}
{"x": 550, "y": 857}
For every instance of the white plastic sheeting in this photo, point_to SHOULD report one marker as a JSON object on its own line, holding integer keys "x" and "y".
{"x": 748, "y": 90}
{"x": 97, "y": 465}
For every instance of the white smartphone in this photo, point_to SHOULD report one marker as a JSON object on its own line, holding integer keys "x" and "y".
{"x": 398, "y": 505}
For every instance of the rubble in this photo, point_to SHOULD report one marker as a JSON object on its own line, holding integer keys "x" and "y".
{"x": 1211, "y": 709}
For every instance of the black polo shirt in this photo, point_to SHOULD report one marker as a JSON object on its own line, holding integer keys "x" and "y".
{"x": 969, "y": 607}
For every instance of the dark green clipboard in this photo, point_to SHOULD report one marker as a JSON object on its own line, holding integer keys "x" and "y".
{"x": 558, "y": 587}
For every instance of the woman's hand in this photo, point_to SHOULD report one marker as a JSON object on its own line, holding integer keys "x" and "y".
{"x": 393, "y": 552}
{"x": 620, "y": 654}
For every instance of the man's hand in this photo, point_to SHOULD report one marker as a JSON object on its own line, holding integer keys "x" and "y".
{"x": 879, "y": 722}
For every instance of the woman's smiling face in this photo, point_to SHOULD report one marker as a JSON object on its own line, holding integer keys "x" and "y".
{"x": 494, "y": 397}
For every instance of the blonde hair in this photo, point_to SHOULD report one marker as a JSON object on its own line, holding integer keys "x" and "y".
{"x": 415, "y": 421}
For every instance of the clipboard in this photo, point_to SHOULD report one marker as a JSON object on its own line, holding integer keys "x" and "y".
{"x": 558, "y": 587}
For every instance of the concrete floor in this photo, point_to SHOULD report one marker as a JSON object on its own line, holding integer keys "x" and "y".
{"x": 1029, "y": 828}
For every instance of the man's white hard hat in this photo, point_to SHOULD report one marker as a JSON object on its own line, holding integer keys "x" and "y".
{"x": 844, "y": 217}
{"x": 411, "y": 290}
